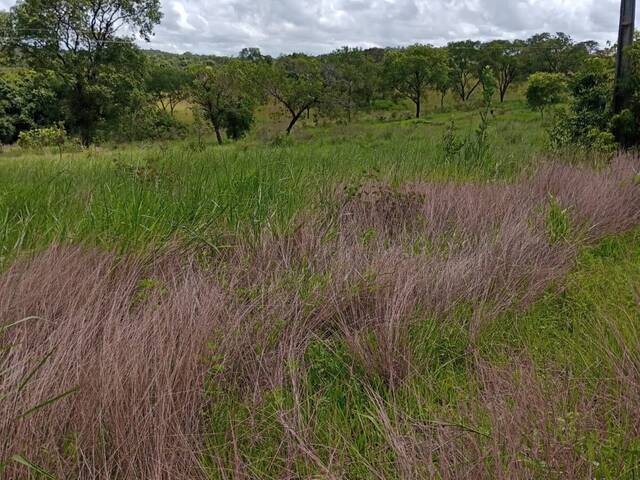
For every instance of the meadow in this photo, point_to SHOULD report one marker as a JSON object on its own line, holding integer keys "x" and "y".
{"x": 384, "y": 299}
{"x": 143, "y": 194}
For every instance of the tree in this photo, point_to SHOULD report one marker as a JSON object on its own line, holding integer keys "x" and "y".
{"x": 252, "y": 54}
{"x": 412, "y": 70}
{"x": 586, "y": 120}
{"x": 295, "y": 82}
{"x": 27, "y": 101}
{"x": 546, "y": 89}
{"x": 442, "y": 85}
{"x": 556, "y": 53}
{"x": 621, "y": 97}
{"x": 626, "y": 123}
{"x": 591, "y": 90}
{"x": 79, "y": 40}
{"x": 221, "y": 98}
{"x": 505, "y": 59}
{"x": 5, "y": 34}
{"x": 351, "y": 78}
{"x": 168, "y": 85}
{"x": 489, "y": 85}
{"x": 465, "y": 67}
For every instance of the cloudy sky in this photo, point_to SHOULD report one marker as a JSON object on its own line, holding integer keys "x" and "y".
{"x": 317, "y": 26}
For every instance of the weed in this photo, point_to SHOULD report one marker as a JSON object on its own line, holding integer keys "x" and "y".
{"x": 558, "y": 221}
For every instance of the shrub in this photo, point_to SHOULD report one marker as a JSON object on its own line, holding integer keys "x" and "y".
{"x": 238, "y": 121}
{"x": 625, "y": 128}
{"x": 557, "y": 221}
{"x": 591, "y": 93}
{"x": 545, "y": 90}
{"x": 384, "y": 105}
{"x": 451, "y": 143}
{"x": 281, "y": 140}
{"x": 43, "y": 137}
{"x": 586, "y": 121}
{"x": 600, "y": 141}
{"x": 560, "y": 130}
{"x": 566, "y": 130}
{"x": 150, "y": 123}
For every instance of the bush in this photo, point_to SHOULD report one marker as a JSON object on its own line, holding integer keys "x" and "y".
{"x": 586, "y": 121}
{"x": 27, "y": 101}
{"x": 43, "y": 137}
{"x": 384, "y": 105}
{"x": 625, "y": 128}
{"x": 7, "y": 129}
{"x": 591, "y": 92}
{"x": 150, "y": 123}
{"x": 566, "y": 131}
{"x": 282, "y": 141}
{"x": 600, "y": 141}
{"x": 238, "y": 121}
{"x": 560, "y": 130}
{"x": 545, "y": 90}
{"x": 452, "y": 145}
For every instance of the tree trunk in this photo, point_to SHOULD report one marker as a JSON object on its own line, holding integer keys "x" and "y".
{"x": 462, "y": 91}
{"x": 218, "y": 135}
{"x": 473, "y": 89}
{"x": 418, "y": 106}
{"x": 294, "y": 120}
{"x": 623, "y": 64}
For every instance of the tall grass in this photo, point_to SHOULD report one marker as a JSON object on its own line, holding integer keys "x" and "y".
{"x": 349, "y": 345}
{"x": 136, "y": 197}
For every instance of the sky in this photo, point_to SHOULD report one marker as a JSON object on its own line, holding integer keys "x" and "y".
{"x": 224, "y": 27}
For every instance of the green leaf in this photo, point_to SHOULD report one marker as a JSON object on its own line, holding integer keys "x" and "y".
{"x": 32, "y": 466}
{"x": 11, "y": 325}
{"x": 47, "y": 402}
{"x": 30, "y": 375}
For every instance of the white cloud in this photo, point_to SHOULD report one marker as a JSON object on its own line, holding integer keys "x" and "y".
{"x": 183, "y": 17}
{"x": 316, "y": 26}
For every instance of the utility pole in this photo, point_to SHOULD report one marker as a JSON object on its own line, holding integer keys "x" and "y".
{"x": 625, "y": 39}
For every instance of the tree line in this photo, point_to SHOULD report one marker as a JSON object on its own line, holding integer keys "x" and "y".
{"x": 74, "y": 63}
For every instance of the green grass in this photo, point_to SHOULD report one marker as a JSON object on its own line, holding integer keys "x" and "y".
{"x": 142, "y": 196}
{"x": 567, "y": 330}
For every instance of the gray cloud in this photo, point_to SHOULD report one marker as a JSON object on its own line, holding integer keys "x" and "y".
{"x": 317, "y": 26}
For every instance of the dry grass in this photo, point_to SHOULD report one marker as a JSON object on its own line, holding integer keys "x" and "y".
{"x": 137, "y": 357}
{"x": 139, "y": 339}
{"x": 513, "y": 427}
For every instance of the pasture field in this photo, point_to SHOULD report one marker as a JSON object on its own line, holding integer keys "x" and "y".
{"x": 386, "y": 299}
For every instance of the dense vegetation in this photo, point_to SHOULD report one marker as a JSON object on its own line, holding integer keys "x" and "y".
{"x": 395, "y": 263}
{"x": 88, "y": 77}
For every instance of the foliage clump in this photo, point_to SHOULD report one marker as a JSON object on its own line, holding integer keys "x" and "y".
{"x": 546, "y": 90}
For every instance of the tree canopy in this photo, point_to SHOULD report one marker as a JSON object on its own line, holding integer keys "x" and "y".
{"x": 86, "y": 73}
{"x": 505, "y": 59}
{"x": 546, "y": 89}
{"x": 465, "y": 62}
{"x": 80, "y": 41}
{"x": 220, "y": 95}
{"x": 412, "y": 70}
{"x": 295, "y": 82}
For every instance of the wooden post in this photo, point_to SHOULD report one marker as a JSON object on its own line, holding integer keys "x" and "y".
{"x": 625, "y": 39}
